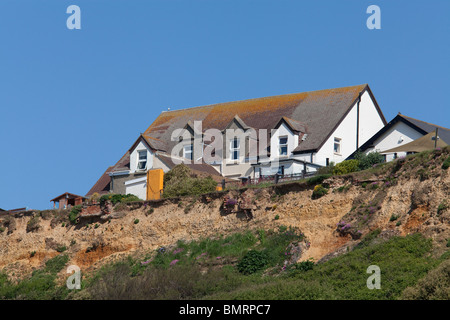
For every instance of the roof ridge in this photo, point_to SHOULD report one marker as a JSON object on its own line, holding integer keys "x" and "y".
{"x": 429, "y": 123}
{"x": 266, "y": 97}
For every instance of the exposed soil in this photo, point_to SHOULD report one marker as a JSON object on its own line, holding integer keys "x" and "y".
{"x": 412, "y": 199}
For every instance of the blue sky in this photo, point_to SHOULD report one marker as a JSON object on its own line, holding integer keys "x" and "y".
{"x": 73, "y": 101}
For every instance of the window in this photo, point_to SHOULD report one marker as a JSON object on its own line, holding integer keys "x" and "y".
{"x": 281, "y": 170}
{"x": 234, "y": 149}
{"x": 337, "y": 145}
{"x": 187, "y": 152}
{"x": 142, "y": 160}
{"x": 283, "y": 146}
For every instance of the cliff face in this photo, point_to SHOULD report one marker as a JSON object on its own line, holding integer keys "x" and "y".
{"x": 406, "y": 196}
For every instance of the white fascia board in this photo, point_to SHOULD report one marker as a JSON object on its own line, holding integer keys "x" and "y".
{"x": 135, "y": 181}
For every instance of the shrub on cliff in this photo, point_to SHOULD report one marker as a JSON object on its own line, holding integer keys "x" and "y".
{"x": 73, "y": 215}
{"x": 319, "y": 191}
{"x": 318, "y": 179}
{"x": 446, "y": 164}
{"x": 116, "y": 198}
{"x": 181, "y": 182}
{"x": 434, "y": 286}
{"x": 367, "y": 161}
{"x": 252, "y": 262}
{"x": 33, "y": 224}
{"x": 346, "y": 166}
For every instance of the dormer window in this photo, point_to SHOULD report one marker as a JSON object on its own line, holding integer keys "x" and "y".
{"x": 283, "y": 146}
{"x": 187, "y": 152}
{"x": 142, "y": 160}
{"x": 234, "y": 149}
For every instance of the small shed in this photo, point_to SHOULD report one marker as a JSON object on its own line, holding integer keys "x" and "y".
{"x": 66, "y": 200}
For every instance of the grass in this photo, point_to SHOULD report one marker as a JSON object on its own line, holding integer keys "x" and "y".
{"x": 196, "y": 275}
{"x": 40, "y": 285}
{"x": 192, "y": 270}
{"x": 208, "y": 269}
{"x": 402, "y": 262}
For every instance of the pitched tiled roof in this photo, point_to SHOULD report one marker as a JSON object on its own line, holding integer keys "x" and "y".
{"x": 123, "y": 164}
{"x": 295, "y": 125}
{"x": 443, "y": 132}
{"x": 155, "y": 144}
{"x": 68, "y": 194}
{"x": 321, "y": 111}
{"x": 102, "y": 186}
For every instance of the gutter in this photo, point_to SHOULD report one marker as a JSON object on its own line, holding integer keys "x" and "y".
{"x": 118, "y": 173}
{"x": 357, "y": 121}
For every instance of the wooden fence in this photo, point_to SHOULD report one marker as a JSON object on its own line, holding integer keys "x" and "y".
{"x": 274, "y": 179}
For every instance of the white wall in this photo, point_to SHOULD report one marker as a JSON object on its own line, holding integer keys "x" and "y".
{"x": 138, "y": 187}
{"x": 134, "y": 157}
{"x": 370, "y": 120}
{"x": 399, "y": 134}
{"x": 370, "y": 123}
{"x": 292, "y": 143}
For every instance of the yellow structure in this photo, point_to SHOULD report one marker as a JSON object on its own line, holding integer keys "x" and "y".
{"x": 155, "y": 184}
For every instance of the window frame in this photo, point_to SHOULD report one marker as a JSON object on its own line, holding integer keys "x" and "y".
{"x": 139, "y": 160}
{"x": 284, "y": 145}
{"x": 191, "y": 152}
{"x": 234, "y": 149}
{"x": 337, "y": 141}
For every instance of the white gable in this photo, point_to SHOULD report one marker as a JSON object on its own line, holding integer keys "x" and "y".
{"x": 135, "y": 154}
{"x": 370, "y": 123}
{"x": 282, "y": 131}
{"x": 399, "y": 134}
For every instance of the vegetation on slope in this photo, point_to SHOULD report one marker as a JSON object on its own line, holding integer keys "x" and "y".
{"x": 252, "y": 265}
{"x": 213, "y": 269}
{"x": 41, "y": 285}
{"x": 180, "y": 181}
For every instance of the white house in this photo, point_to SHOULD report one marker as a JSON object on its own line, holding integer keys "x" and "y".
{"x": 400, "y": 131}
{"x": 292, "y": 134}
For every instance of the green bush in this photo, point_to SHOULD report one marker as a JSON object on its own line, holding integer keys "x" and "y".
{"x": 393, "y": 217}
{"x": 434, "y": 286}
{"x": 367, "y": 161}
{"x": 252, "y": 262}
{"x": 346, "y": 166}
{"x": 33, "y": 224}
{"x": 74, "y": 213}
{"x": 301, "y": 267}
{"x": 326, "y": 170}
{"x": 318, "y": 179}
{"x": 319, "y": 191}
{"x": 56, "y": 264}
{"x": 116, "y": 198}
{"x": 180, "y": 182}
{"x": 446, "y": 164}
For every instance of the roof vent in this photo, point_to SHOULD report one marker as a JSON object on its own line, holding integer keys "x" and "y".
{"x": 304, "y": 136}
